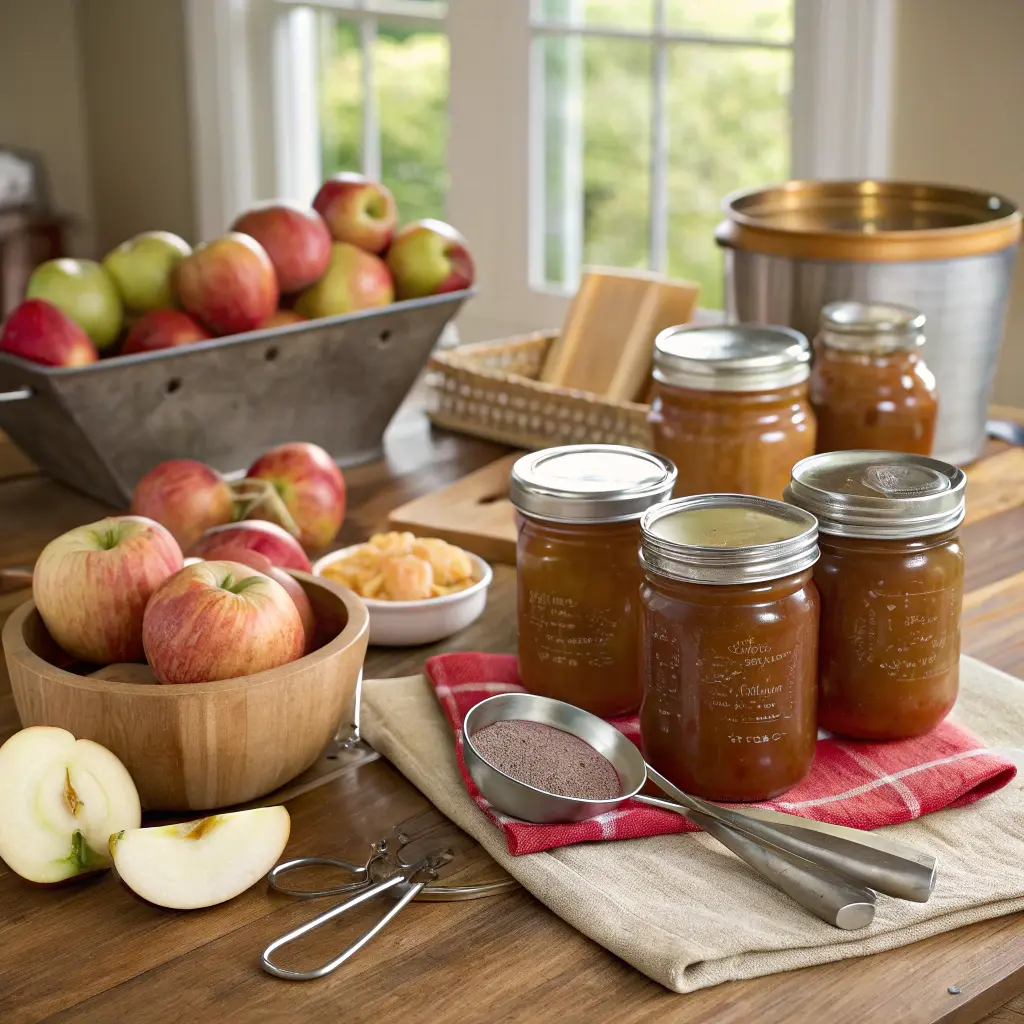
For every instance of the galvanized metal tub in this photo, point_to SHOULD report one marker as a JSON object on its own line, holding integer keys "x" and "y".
{"x": 336, "y": 382}
{"x": 948, "y": 252}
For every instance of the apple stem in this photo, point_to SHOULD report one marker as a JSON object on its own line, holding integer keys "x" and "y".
{"x": 252, "y": 496}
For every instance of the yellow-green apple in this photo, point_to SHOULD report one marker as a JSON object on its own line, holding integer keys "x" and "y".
{"x": 39, "y": 331}
{"x": 429, "y": 257}
{"x": 200, "y": 863}
{"x": 163, "y": 328}
{"x": 311, "y": 487}
{"x": 267, "y": 538}
{"x": 354, "y": 280}
{"x": 85, "y": 292}
{"x": 295, "y": 238}
{"x": 219, "y": 620}
{"x": 186, "y": 496}
{"x": 357, "y": 210}
{"x": 282, "y": 318}
{"x": 262, "y": 564}
{"x": 60, "y": 801}
{"x": 228, "y": 284}
{"x": 143, "y": 269}
{"x": 91, "y": 585}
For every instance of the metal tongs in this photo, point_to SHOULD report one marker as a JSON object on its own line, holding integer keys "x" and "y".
{"x": 404, "y": 865}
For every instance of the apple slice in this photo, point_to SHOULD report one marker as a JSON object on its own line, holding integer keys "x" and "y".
{"x": 60, "y": 800}
{"x": 200, "y": 863}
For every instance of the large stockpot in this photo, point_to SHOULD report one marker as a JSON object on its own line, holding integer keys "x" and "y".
{"x": 948, "y": 252}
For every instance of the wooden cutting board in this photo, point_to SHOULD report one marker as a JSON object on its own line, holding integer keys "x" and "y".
{"x": 473, "y": 513}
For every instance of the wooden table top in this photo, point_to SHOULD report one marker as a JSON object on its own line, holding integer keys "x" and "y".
{"x": 90, "y": 952}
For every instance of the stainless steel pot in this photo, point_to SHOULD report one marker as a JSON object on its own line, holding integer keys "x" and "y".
{"x": 948, "y": 252}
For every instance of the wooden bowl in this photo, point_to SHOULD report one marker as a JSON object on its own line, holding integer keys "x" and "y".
{"x": 210, "y": 744}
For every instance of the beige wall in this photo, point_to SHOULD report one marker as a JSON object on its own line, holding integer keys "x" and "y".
{"x": 959, "y": 93}
{"x": 41, "y": 104}
{"x": 139, "y": 137}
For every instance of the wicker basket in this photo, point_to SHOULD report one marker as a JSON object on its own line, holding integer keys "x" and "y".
{"x": 491, "y": 390}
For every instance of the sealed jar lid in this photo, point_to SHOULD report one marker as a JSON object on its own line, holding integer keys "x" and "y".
{"x": 740, "y": 357}
{"x": 871, "y": 327}
{"x": 590, "y": 483}
{"x": 727, "y": 539}
{"x": 882, "y": 495}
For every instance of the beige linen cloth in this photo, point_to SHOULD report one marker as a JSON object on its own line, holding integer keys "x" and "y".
{"x": 685, "y": 911}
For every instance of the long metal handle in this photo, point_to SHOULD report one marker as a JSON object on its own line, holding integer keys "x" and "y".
{"x": 274, "y": 878}
{"x": 17, "y": 395}
{"x": 828, "y": 896}
{"x": 867, "y": 865}
{"x": 328, "y": 915}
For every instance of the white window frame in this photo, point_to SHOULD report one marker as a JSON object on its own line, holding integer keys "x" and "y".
{"x": 842, "y": 100}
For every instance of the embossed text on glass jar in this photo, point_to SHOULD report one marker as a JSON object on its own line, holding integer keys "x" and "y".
{"x": 870, "y": 387}
{"x": 890, "y": 578}
{"x": 729, "y": 639}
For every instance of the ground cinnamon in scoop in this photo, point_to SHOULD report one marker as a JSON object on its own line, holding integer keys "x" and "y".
{"x": 549, "y": 759}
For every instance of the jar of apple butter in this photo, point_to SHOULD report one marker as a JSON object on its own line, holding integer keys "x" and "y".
{"x": 578, "y": 570}
{"x": 729, "y": 406}
{"x": 891, "y": 578}
{"x": 729, "y": 639}
{"x": 869, "y": 386}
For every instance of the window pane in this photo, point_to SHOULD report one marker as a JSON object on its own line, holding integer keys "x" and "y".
{"x": 411, "y": 69}
{"x": 728, "y": 128}
{"x": 596, "y": 168}
{"x": 341, "y": 96}
{"x": 632, "y": 14}
{"x": 743, "y": 19}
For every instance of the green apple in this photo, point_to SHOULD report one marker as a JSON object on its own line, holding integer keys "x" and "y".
{"x": 84, "y": 291}
{"x": 429, "y": 257}
{"x": 143, "y": 269}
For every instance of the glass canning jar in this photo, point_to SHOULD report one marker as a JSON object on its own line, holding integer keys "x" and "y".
{"x": 578, "y": 571}
{"x": 891, "y": 579}
{"x": 729, "y": 638}
{"x": 730, "y": 407}
{"x": 870, "y": 387}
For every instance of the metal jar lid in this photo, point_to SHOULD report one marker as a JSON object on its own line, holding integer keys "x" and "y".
{"x": 590, "y": 483}
{"x": 738, "y": 357}
{"x": 871, "y": 327}
{"x": 882, "y": 495}
{"x": 727, "y": 539}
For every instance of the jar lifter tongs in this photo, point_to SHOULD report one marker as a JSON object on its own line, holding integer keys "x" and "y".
{"x": 406, "y": 865}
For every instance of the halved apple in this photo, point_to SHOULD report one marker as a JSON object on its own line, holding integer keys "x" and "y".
{"x": 60, "y": 800}
{"x": 201, "y": 863}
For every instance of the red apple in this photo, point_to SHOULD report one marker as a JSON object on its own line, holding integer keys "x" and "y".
{"x": 228, "y": 284}
{"x": 257, "y": 535}
{"x": 262, "y": 564}
{"x": 311, "y": 487}
{"x": 357, "y": 210}
{"x": 92, "y": 584}
{"x": 39, "y": 331}
{"x": 429, "y": 257}
{"x": 163, "y": 328}
{"x": 186, "y": 496}
{"x": 354, "y": 280}
{"x": 219, "y": 620}
{"x": 296, "y": 240}
{"x": 282, "y": 318}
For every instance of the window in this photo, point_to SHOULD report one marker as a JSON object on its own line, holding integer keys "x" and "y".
{"x": 553, "y": 133}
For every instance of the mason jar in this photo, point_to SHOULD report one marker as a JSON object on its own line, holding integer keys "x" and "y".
{"x": 891, "y": 579}
{"x": 729, "y": 639}
{"x": 578, "y": 570}
{"x": 870, "y": 387}
{"x": 730, "y": 407}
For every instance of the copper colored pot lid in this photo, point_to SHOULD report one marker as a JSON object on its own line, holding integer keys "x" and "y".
{"x": 868, "y": 221}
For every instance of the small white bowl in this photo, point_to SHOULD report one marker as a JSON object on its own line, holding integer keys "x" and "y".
{"x": 413, "y": 623}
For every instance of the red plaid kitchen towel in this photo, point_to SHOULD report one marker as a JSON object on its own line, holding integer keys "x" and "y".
{"x": 863, "y": 785}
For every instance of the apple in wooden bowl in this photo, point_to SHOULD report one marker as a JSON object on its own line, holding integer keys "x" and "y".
{"x": 198, "y": 746}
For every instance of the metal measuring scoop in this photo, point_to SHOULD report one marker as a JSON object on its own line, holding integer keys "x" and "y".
{"x": 830, "y": 873}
